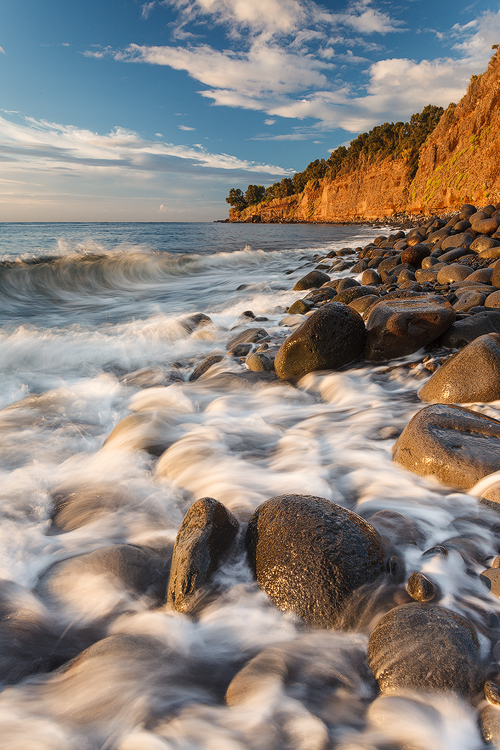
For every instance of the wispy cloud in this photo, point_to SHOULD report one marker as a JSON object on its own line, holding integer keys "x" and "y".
{"x": 185, "y": 127}
{"x": 2, "y": 51}
{"x": 147, "y": 8}
{"x": 36, "y": 145}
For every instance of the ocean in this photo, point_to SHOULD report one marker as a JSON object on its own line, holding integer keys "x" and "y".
{"x": 96, "y": 330}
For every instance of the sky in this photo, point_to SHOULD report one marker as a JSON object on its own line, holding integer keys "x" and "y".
{"x": 125, "y": 110}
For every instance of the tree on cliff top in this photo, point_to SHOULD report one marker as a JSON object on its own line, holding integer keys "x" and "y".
{"x": 389, "y": 140}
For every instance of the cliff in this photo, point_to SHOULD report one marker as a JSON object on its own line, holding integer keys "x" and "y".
{"x": 458, "y": 163}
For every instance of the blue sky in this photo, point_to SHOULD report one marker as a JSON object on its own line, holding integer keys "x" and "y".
{"x": 124, "y": 110}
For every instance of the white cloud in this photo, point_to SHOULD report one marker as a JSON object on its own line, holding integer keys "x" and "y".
{"x": 35, "y": 145}
{"x": 185, "y": 127}
{"x": 2, "y": 51}
{"x": 269, "y": 121}
{"x": 264, "y": 68}
{"x": 147, "y": 8}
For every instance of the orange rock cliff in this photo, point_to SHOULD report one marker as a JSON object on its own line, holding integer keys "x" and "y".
{"x": 458, "y": 163}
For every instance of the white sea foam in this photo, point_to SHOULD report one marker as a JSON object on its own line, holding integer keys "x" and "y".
{"x": 93, "y": 347}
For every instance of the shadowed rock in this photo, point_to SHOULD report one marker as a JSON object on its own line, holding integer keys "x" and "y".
{"x": 331, "y": 338}
{"x": 456, "y": 445}
{"x": 310, "y": 554}
{"x": 472, "y": 374}
{"x": 425, "y": 647}
{"x": 398, "y": 327}
{"x": 464, "y": 331}
{"x": 204, "y": 538}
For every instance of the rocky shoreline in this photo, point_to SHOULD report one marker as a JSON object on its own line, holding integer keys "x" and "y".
{"x": 433, "y": 289}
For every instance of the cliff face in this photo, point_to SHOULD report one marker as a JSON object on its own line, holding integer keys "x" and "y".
{"x": 459, "y": 163}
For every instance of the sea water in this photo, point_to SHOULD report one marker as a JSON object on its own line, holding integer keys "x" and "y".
{"x": 95, "y": 328}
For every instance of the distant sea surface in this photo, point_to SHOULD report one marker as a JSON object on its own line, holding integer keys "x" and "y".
{"x": 98, "y": 339}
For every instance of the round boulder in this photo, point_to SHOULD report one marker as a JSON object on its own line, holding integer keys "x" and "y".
{"x": 472, "y": 374}
{"x": 309, "y": 555}
{"x": 331, "y": 338}
{"x": 204, "y": 538}
{"x": 398, "y": 327}
{"x": 311, "y": 280}
{"x": 425, "y": 647}
{"x": 414, "y": 255}
{"x": 453, "y": 272}
{"x": 457, "y": 445}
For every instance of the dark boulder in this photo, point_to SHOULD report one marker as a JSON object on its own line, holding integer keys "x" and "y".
{"x": 472, "y": 374}
{"x": 464, "y": 331}
{"x": 309, "y": 555}
{"x": 414, "y": 255}
{"x": 248, "y": 336}
{"x": 311, "y": 280}
{"x": 457, "y": 445}
{"x": 204, "y": 538}
{"x": 398, "y": 327}
{"x": 425, "y": 647}
{"x": 331, "y": 338}
{"x": 205, "y": 365}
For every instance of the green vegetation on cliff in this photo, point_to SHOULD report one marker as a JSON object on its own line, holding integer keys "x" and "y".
{"x": 388, "y": 141}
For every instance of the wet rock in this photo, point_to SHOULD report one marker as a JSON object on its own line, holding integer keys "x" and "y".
{"x": 196, "y": 321}
{"x": 343, "y": 284}
{"x": 77, "y": 507}
{"x": 325, "y": 294}
{"x": 331, "y": 338}
{"x": 395, "y": 529}
{"x": 472, "y": 374}
{"x": 142, "y": 431}
{"x": 309, "y": 555}
{"x": 491, "y": 579}
{"x": 348, "y": 295}
{"x": 311, "y": 280}
{"x": 125, "y": 568}
{"x": 312, "y": 667}
{"x": 370, "y": 276}
{"x": 421, "y": 588}
{"x": 492, "y": 692}
{"x": 489, "y": 718}
{"x": 249, "y": 336}
{"x": 425, "y": 647}
{"x": 456, "y": 445}
{"x": 398, "y": 327}
{"x": 240, "y": 350}
{"x": 300, "y": 306}
{"x": 205, "y": 365}
{"x": 204, "y": 538}
{"x": 260, "y": 362}
{"x": 363, "y": 304}
{"x": 464, "y": 331}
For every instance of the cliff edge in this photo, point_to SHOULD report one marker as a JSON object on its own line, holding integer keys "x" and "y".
{"x": 458, "y": 163}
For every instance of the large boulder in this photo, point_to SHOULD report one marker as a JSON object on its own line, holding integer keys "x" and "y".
{"x": 457, "y": 445}
{"x": 398, "y": 327}
{"x": 309, "y": 555}
{"x": 204, "y": 538}
{"x": 472, "y": 374}
{"x": 331, "y": 338}
{"x": 425, "y": 647}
